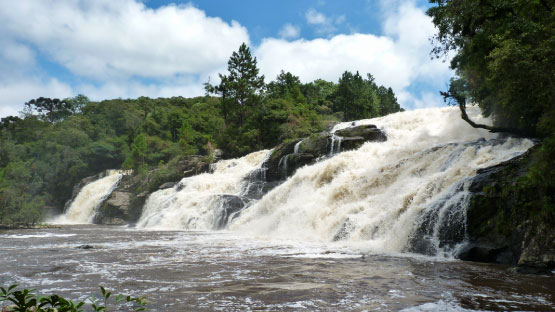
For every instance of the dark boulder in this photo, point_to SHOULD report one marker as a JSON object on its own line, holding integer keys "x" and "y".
{"x": 368, "y": 133}
{"x": 115, "y": 210}
{"x": 230, "y": 206}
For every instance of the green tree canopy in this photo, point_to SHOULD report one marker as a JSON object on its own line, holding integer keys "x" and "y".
{"x": 505, "y": 51}
{"x": 241, "y": 88}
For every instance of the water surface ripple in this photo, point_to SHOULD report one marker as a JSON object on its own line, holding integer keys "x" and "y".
{"x": 211, "y": 271}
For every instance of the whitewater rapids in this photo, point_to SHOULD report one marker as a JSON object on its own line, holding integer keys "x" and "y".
{"x": 375, "y": 196}
{"x": 193, "y": 204}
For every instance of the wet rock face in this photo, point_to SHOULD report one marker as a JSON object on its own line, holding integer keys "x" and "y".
{"x": 500, "y": 229}
{"x": 230, "y": 206}
{"x": 115, "y": 209}
{"x": 354, "y": 137}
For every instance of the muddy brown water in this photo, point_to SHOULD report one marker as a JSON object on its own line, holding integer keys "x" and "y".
{"x": 217, "y": 271}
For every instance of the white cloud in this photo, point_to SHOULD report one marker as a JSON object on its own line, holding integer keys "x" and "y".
{"x": 123, "y": 49}
{"x": 14, "y": 94}
{"x": 315, "y": 17}
{"x": 398, "y": 59}
{"x": 135, "y": 89}
{"x": 328, "y": 58}
{"x": 323, "y": 24}
{"x": 106, "y": 39}
{"x": 289, "y": 31}
{"x": 427, "y": 99}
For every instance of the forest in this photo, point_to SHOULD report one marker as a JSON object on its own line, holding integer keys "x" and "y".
{"x": 55, "y": 143}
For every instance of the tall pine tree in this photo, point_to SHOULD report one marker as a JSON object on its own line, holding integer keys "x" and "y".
{"x": 241, "y": 97}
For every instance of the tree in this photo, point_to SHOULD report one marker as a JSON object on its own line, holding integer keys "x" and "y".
{"x": 388, "y": 101}
{"x": 241, "y": 89}
{"x": 241, "y": 99}
{"x": 139, "y": 148}
{"x": 50, "y": 109}
{"x": 76, "y": 104}
{"x": 356, "y": 97}
{"x": 505, "y": 51}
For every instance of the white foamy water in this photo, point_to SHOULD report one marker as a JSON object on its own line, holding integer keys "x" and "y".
{"x": 193, "y": 204}
{"x": 85, "y": 205}
{"x": 376, "y": 196}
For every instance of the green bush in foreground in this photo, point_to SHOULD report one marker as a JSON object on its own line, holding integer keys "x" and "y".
{"x": 26, "y": 300}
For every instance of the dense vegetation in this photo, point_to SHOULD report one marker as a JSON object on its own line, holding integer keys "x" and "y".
{"x": 504, "y": 62}
{"x": 55, "y": 143}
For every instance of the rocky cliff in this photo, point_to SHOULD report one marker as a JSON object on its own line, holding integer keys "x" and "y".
{"x": 505, "y": 223}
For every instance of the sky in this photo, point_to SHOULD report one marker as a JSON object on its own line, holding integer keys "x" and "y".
{"x": 108, "y": 49}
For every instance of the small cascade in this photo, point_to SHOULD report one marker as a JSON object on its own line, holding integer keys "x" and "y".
{"x": 296, "y": 147}
{"x": 335, "y": 146}
{"x": 282, "y": 166}
{"x": 408, "y": 193}
{"x": 205, "y": 201}
{"x": 85, "y": 205}
{"x": 283, "y": 162}
{"x": 255, "y": 184}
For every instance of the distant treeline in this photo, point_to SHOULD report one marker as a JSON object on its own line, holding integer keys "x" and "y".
{"x": 55, "y": 143}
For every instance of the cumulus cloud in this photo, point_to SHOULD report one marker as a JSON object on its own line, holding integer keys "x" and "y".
{"x": 289, "y": 31}
{"x": 397, "y": 59}
{"x": 111, "y": 48}
{"x": 106, "y": 39}
{"x": 123, "y": 49}
{"x": 323, "y": 24}
{"x": 315, "y": 17}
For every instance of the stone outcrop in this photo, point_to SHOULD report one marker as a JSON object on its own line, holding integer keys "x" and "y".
{"x": 353, "y": 137}
{"x": 500, "y": 228}
{"x": 115, "y": 210}
{"x": 231, "y": 205}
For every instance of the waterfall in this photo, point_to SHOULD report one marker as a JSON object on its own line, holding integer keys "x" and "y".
{"x": 409, "y": 193}
{"x": 197, "y": 202}
{"x": 296, "y": 147}
{"x": 335, "y": 146}
{"x": 85, "y": 205}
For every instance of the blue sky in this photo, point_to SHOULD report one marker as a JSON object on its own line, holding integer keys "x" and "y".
{"x": 130, "y": 48}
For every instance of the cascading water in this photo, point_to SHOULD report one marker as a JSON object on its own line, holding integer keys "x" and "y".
{"x": 85, "y": 205}
{"x": 197, "y": 203}
{"x": 406, "y": 194}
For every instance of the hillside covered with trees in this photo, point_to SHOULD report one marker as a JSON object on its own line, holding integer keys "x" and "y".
{"x": 55, "y": 143}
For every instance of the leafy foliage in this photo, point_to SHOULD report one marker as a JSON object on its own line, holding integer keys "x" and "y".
{"x": 505, "y": 51}
{"x": 27, "y": 300}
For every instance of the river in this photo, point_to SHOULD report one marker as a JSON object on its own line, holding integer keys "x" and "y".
{"x": 221, "y": 271}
